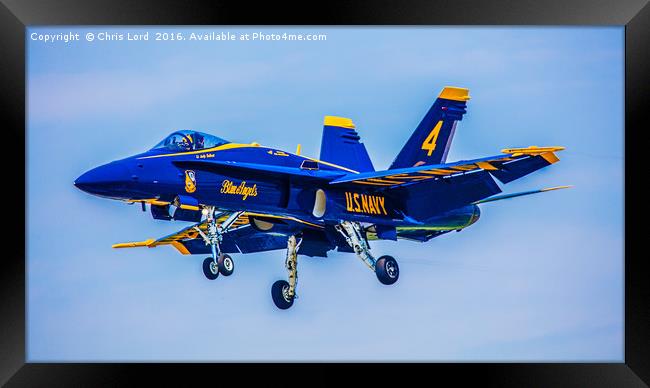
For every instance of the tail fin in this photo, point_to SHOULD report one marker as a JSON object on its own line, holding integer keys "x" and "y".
{"x": 341, "y": 145}
{"x": 430, "y": 142}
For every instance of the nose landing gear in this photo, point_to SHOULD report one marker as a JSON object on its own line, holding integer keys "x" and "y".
{"x": 226, "y": 264}
{"x": 218, "y": 263}
{"x": 210, "y": 269}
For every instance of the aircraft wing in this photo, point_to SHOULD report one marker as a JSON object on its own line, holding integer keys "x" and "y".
{"x": 175, "y": 239}
{"x": 512, "y": 164}
{"x": 240, "y": 238}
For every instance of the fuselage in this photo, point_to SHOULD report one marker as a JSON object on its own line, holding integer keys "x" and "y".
{"x": 279, "y": 183}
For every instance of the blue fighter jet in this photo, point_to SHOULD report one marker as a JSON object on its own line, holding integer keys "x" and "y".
{"x": 243, "y": 198}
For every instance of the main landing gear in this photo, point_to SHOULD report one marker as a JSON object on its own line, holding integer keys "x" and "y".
{"x": 283, "y": 292}
{"x": 385, "y": 268}
{"x": 218, "y": 263}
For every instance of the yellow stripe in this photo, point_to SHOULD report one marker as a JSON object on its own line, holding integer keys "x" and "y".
{"x": 438, "y": 171}
{"x": 415, "y": 178}
{"x": 442, "y": 170}
{"x": 550, "y": 157}
{"x": 134, "y": 244}
{"x": 189, "y": 207}
{"x": 454, "y": 93}
{"x": 180, "y": 247}
{"x": 374, "y": 183}
{"x": 467, "y": 167}
{"x": 379, "y": 180}
{"x": 335, "y": 121}
{"x": 213, "y": 149}
{"x": 486, "y": 166}
{"x": 407, "y": 176}
{"x": 532, "y": 150}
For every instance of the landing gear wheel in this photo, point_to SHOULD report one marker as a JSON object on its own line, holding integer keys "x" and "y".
{"x": 279, "y": 293}
{"x": 226, "y": 265}
{"x": 387, "y": 270}
{"x": 210, "y": 268}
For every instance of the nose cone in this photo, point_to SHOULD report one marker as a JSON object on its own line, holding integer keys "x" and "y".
{"x": 109, "y": 180}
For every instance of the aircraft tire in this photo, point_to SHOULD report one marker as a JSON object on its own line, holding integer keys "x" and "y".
{"x": 226, "y": 265}
{"x": 210, "y": 270}
{"x": 387, "y": 270}
{"x": 278, "y": 293}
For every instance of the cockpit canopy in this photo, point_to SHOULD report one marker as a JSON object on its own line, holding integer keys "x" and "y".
{"x": 186, "y": 140}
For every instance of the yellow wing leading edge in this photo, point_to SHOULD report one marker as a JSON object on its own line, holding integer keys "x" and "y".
{"x": 187, "y": 233}
{"x": 190, "y": 232}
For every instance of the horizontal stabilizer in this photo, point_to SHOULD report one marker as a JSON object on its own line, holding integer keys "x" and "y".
{"x": 506, "y": 168}
{"x": 521, "y": 194}
{"x": 430, "y": 198}
{"x": 528, "y": 160}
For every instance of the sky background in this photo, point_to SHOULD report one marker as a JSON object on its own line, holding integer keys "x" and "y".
{"x": 538, "y": 278}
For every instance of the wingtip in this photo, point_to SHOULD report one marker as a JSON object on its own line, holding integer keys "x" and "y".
{"x": 532, "y": 150}
{"x": 557, "y": 188}
{"x": 133, "y": 244}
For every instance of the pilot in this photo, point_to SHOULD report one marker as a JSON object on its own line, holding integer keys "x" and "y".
{"x": 186, "y": 143}
{"x": 198, "y": 142}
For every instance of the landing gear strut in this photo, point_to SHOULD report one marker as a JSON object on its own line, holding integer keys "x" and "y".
{"x": 386, "y": 268}
{"x": 283, "y": 292}
{"x": 218, "y": 263}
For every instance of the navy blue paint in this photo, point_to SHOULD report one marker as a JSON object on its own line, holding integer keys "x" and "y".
{"x": 514, "y": 170}
{"x": 449, "y": 111}
{"x": 342, "y": 146}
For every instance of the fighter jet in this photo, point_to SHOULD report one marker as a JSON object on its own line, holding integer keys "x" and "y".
{"x": 245, "y": 197}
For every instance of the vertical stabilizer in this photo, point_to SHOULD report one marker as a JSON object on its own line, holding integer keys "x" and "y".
{"x": 340, "y": 145}
{"x": 430, "y": 142}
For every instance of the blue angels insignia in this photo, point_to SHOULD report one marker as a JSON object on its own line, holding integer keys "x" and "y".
{"x": 190, "y": 181}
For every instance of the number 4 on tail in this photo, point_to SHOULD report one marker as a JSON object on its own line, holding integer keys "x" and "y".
{"x": 430, "y": 142}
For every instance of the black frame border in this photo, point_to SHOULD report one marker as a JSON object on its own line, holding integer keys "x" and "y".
{"x": 15, "y": 15}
